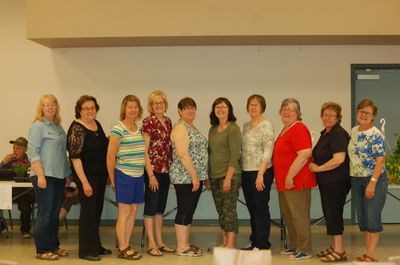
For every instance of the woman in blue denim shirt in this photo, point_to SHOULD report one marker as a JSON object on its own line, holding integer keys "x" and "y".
{"x": 369, "y": 181}
{"x": 47, "y": 152}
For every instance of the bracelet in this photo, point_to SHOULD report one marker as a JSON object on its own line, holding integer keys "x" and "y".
{"x": 374, "y": 179}
{"x": 152, "y": 176}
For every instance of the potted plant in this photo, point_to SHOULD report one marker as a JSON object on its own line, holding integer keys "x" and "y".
{"x": 393, "y": 164}
{"x": 21, "y": 169}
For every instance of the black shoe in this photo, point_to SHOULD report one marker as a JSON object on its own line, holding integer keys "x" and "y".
{"x": 91, "y": 258}
{"x": 104, "y": 251}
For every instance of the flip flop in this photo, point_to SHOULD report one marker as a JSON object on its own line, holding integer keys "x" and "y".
{"x": 166, "y": 249}
{"x": 155, "y": 252}
{"x": 190, "y": 252}
{"x": 47, "y": 256}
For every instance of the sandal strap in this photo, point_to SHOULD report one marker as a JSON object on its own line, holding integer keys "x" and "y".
{"x": 369, "y": 259}
{"x": 334, "y": 256}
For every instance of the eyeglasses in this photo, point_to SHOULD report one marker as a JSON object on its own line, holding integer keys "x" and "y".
{"x": 221, "y": 107}
{"x": 160, "y": 103}
{"x": 329, "y": 116}
{"x": 88, "y": 109}
{"x": 49, "y": 105}
{"x": 288, "y": 110}
{"x": 365, "y": 113}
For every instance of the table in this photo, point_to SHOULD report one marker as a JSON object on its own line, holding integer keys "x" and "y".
{"x": 14, "y": 184}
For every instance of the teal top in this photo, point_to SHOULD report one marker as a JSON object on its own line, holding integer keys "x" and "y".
{"x": 224, "y": 150}
{"x": 198, "y": 154}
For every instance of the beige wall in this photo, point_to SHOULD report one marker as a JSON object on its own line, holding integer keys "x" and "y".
{"x": 313, "y": 74}
{"x": 60, "y": 23}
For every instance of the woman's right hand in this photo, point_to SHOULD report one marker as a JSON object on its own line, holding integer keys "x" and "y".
{"x": 42, "y": 183}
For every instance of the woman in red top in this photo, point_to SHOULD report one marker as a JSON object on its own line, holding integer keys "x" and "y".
{"x": 294, "y": 180}
{"x": 156, "y": 132}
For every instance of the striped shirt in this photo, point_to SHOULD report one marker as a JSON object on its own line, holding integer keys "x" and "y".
{"x": 130, "y": 156}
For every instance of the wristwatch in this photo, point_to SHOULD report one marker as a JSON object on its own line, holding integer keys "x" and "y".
{"x": 374, "y": 179}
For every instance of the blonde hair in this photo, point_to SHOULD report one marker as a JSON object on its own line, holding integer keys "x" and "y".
{"x": 39, "y": 110}
{"x": 153, "y": 96}
{"x": 129, "y": 98}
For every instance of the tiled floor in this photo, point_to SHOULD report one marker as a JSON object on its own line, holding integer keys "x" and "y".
{"x": 22, "y": 251}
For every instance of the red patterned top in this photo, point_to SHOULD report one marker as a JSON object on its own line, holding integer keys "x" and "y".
{"x": 160, "y": 149}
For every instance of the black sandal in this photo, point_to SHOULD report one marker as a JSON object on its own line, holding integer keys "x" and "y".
{"x": 334, "y": 256}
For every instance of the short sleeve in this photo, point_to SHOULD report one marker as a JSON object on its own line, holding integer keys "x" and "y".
{"x": 301, "y": 138}
{"x": 75, "y": 140}
{"x": 340, "y": 141}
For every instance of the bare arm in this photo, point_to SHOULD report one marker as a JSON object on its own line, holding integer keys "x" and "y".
{"x": 370, "y": 189}
{"x": 113, "y": 146}
{"x": 153, "y": 183}
{"x": 297, "y": 165}
{"x": 334, "y": 162}
{"x": 180, "y": 138}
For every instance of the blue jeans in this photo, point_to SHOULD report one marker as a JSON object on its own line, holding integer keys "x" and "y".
{"x": 47, "y": 223}
{"x": 369, "y": 210}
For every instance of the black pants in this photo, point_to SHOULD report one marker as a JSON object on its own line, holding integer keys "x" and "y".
{"x": 257, "y": 204}
{"x": 333, "y": 198}
{"x": 90, "y": 215}
{"x": 187, "y": 202}
{"x": 25, "y": 203}
{"x": 156, "y": 201}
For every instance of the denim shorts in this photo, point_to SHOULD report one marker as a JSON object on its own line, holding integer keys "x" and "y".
{"x": 128, "y": 190}
{"x": 369, "y": 211}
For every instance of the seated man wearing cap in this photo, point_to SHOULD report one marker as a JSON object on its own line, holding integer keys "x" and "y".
{"x": 18, "y": 158}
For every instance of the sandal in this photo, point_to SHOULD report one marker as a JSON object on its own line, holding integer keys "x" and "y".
{"x": 166, "y": 249}
{"x": 366, "y": 258}
{"x": 325, "y": 252}
{"x": 155, "y": 252}
{"x": 61, "y": 252}
{"x": 190, "y": 252}
{"x": 47, "y": 256}
{"x": 129, "y": 253}
{"x": 334, "y": 256}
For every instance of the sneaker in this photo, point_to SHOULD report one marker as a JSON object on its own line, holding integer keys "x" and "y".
{"x": 249, "y": 246}
{"x": 298, "y": 255}
{"x": 288, "y": 251}
{"x": 26, "y": 235}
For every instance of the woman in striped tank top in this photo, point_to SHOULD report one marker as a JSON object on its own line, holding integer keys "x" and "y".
{"x": 125, "y": 164}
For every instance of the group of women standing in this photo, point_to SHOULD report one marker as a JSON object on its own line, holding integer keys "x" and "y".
{"x": 141, "y": 160}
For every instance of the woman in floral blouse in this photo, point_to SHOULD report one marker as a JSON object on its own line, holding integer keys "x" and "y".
{"x": 369, "y": 181}
{"x": 156, "y": 130}
{"x": 188, "y": 172}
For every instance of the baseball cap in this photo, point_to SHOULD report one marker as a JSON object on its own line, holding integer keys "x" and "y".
{"x": 20, "y": 141}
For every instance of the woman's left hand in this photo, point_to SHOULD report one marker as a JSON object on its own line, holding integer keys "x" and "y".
{"x": 153, "y": 184}
{"x": 87, "y": 189}
{"x": 226, "y": 185}
{"x": 260, "y": 183}
{"x": 370, "y": 190}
